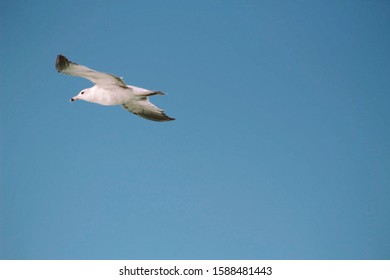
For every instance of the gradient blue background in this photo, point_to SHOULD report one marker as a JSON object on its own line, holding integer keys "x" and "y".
{"x": 280, "y": 150}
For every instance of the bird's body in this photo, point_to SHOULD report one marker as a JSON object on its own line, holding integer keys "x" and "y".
{"x": 111, "y": 90}
{"x": 110, "y": 95}
{"x": 105, "y": 96}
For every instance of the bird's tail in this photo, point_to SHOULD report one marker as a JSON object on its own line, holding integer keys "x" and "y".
{"x": 151, "y": 93}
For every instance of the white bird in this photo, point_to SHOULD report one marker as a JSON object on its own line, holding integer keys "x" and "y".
{"x": 112, "y": 90}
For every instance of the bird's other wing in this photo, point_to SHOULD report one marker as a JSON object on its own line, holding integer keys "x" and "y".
{"x": 143, "y": 108}
{"x": 65, "y": 66}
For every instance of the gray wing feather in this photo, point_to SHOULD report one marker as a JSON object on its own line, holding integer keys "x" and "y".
{"x": 145, "y": 109}
{"x": 65, "y": 66}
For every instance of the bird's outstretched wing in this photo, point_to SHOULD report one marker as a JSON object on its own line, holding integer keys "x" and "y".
{"x": 143, "y": 108}
{"x": 65, "y": 66}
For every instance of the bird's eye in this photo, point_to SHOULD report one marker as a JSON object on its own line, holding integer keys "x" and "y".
{"x": 82, "y": 92}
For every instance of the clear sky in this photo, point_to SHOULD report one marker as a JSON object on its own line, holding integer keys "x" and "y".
{"x": 280, "y": 148}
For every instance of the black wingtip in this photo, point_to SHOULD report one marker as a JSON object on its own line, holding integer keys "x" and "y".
{"x": 166, "y": 118}
{"x": 61, "y": 62}
{"x": 163, "y": 118}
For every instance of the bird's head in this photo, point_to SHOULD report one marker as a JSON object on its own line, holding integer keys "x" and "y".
{"x": 82, "y": 95}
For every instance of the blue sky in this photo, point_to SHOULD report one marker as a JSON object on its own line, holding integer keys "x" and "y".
{"x": 280, "y": 147}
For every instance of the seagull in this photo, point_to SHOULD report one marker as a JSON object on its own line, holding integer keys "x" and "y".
{"x": 112, "y": 90}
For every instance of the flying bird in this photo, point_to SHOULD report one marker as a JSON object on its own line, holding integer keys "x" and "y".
{"x": 112, "y": 90}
